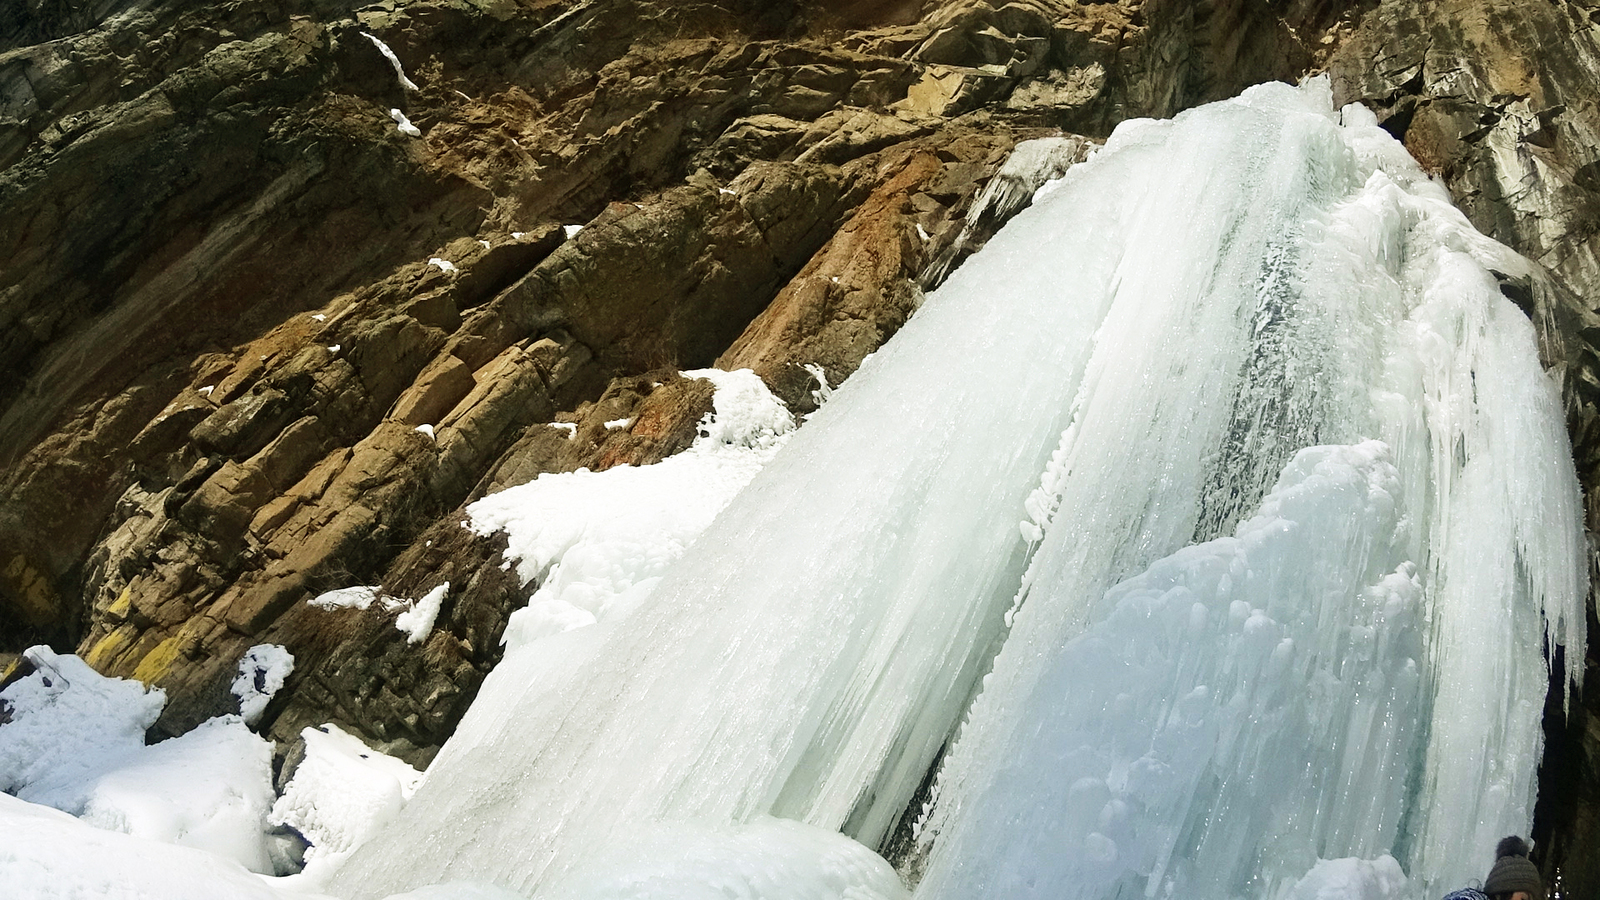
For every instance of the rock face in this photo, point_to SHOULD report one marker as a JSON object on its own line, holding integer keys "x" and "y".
{"x": 247, "y": 256}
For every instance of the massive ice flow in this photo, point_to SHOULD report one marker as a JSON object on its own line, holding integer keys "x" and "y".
{"x": 1159, "y": 336}
{"x": 1315, "y": 288}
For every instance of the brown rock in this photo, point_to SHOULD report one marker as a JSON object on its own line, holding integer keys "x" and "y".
{"x": 436, "y": 391}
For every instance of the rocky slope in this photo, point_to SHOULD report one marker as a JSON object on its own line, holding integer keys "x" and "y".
{"x": 220, "y": 326}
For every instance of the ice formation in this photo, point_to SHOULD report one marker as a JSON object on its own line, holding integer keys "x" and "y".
{"x": 1181, "y": 316}
{"x": 359, "y": 597}
{"x": 1030, "y": 165}
{"x": 820, "y": 375}
{"x": 766, "y": 859}
{"x": 1182, "y": 743}
{"x": 1334, "y": 296}
{"x": 399, "y": 70}
{"x": 404, "y": 126}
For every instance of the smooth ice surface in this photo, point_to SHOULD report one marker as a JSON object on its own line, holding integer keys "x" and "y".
{"x": 767, "y": 859}
{"x": 1123, "y": 372}
{"x": 340, "y": 794}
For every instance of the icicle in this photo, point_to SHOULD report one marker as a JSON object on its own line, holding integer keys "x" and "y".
{"x": 399, "y": 70}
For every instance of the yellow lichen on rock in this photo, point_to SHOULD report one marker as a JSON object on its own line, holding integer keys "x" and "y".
{"x": 156, "y": 663}
{"x": 30, "y": 589}
{"x": 106, "y": 650}
{"x": 119, "y": 608}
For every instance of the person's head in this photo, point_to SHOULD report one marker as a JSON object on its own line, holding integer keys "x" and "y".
{"x": 1514, "y": 876}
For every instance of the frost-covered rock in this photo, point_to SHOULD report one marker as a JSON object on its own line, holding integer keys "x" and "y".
{"x": 341, "y": 793}
{"x": 262, "y": 671}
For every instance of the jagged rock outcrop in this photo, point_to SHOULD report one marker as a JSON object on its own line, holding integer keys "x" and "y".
{"x": 244, "y": 262}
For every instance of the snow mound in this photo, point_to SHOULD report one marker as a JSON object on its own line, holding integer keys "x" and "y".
{"x": 76, "y": 743}
{"x": 48, "y": 855}
{"x": 69, "y": 722}
{"x": 342, "y": 792}
{"x": 1352, "y": 879}
{"x": 209, "y": 789}
{"x": 601, "y": 540}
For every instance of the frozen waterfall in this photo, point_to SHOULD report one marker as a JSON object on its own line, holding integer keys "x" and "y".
{"x": 1065, "y": 528}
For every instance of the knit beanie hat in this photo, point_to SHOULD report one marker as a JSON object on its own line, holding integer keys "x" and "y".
{"x": 1513, "y": 871}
